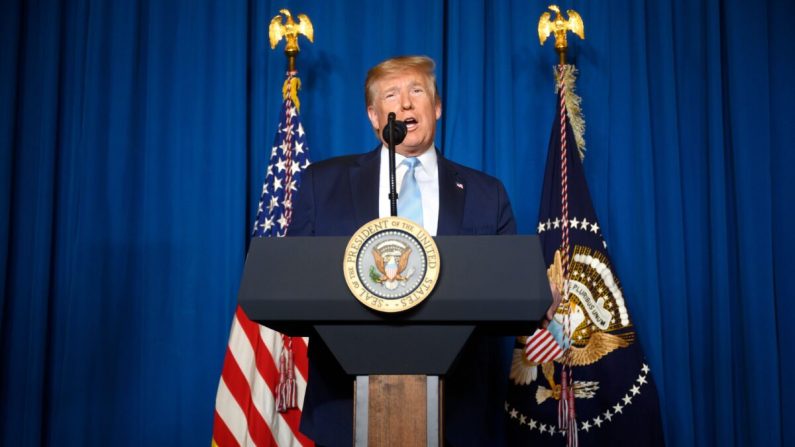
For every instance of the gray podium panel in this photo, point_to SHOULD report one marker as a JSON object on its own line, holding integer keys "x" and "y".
{"x": 497, "y": 283}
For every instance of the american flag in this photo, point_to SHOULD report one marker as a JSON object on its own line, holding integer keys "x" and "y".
{"x": 261, "y": 391}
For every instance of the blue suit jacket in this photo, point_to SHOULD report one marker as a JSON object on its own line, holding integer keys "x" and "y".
{"x": 339, "y": 195}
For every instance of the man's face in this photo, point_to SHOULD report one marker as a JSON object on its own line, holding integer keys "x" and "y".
{"x": 411, "y": 97}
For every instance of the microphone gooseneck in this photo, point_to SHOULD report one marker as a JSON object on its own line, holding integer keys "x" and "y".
{"x": 394, "y": 133}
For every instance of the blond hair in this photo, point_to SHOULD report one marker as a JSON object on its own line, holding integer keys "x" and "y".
{"x": 420, "y": 64}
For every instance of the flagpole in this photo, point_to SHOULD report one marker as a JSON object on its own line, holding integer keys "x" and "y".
{"x": 567, "y": 419}
{"x": 289, "y": 29}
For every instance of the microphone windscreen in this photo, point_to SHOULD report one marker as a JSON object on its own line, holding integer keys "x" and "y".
{"x": 399, "y": 132}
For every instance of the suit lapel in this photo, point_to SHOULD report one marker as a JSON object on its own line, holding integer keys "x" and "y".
{"x": 451, "y": 198}
{"x": 364, "y": 186}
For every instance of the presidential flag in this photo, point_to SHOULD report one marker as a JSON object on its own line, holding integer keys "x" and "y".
{"x": 606, "y": 395}
{"x": 261, "y": 391}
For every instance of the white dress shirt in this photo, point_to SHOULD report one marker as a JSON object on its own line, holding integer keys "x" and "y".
{"x": 427, "y": 175}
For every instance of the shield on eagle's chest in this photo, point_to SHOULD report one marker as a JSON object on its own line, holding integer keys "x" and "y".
{"x": 391, "y": 268}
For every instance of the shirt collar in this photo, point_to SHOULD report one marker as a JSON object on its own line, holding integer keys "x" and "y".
{"x": 428, "y": 160}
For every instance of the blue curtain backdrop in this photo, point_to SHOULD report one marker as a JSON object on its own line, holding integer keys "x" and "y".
{"x": 134, "y": 137}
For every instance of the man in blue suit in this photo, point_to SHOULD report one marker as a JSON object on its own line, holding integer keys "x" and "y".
{"x": 339, "y": 195}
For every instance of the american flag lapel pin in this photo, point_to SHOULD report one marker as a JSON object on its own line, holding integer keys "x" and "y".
{"x": 459, "y": 185}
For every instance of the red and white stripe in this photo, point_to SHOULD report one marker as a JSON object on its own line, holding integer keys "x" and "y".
{"x": 541, "y": 347}
{"x": 245, "y": 406}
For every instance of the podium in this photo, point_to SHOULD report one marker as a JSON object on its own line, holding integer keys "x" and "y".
{"x": 496, "y": 285}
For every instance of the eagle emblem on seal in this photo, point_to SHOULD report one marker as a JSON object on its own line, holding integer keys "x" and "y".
{"x": 391, "y": 259}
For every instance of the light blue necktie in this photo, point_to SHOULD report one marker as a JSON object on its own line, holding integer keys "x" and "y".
{"x": 410, "y": 199}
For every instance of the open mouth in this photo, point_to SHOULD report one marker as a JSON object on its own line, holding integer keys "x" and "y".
{"x": 411, "y": 123}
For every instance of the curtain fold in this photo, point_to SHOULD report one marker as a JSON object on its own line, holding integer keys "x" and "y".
{"x": 782, "y": 98}
{"x": 134, "y": 138}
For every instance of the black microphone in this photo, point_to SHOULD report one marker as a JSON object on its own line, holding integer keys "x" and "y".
{"x": 397, "y": 128}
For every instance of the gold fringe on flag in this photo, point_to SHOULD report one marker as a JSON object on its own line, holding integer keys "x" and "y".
{"x": 290, "y": 90}
{"x": 569, "y": 76}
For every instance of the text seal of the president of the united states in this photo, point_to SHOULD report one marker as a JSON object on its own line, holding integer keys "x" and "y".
{"x": 391, "y": 264}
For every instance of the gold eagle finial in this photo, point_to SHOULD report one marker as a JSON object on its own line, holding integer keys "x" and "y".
{"x": 290, "y": 30}
{"x": 559, "y": 27}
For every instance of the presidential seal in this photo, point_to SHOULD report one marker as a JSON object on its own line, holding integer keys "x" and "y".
{"x": 391, "y": 264}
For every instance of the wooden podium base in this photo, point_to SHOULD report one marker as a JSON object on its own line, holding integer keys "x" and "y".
{"x": 397, "y": 411}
